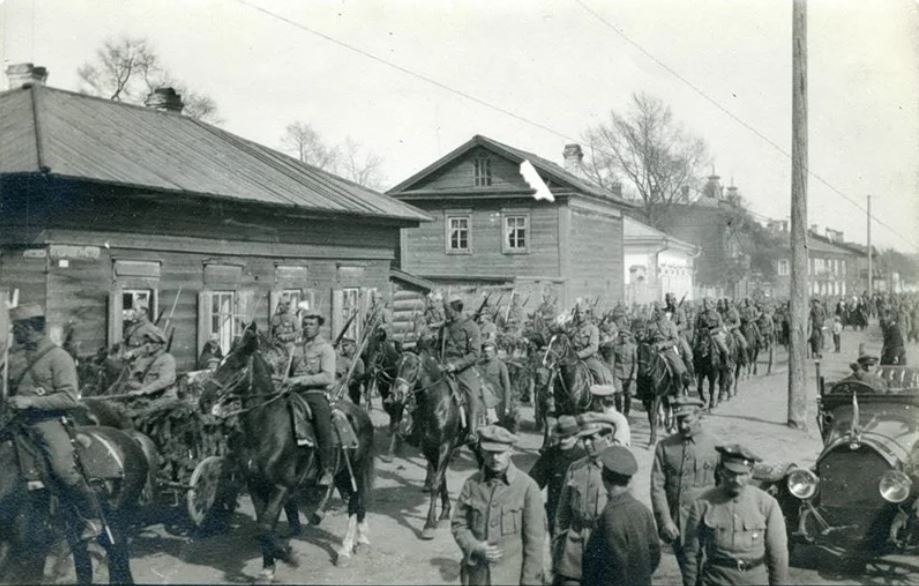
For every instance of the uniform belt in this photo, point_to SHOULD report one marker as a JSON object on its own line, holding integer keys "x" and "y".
{"x": 741, "y": 565}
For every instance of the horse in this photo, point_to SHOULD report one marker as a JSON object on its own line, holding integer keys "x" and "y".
{"x": 655, "y": 385}
{"x": 437, "y": 427}
{"x": 273, "y": 465}
{"x": 710, "y": 365}
{"x": 750, "y": 331}
{"x": 382, "y": 357}
{"x": 29, "y": 528}
{"x": 570, "y": 378}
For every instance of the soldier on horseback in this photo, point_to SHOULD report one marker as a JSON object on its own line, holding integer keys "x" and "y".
{"x": 153, "y": 370}
{"x": 284, "y": 329}
{"x": 43, "y": 389}
{"x": 678, "y": 317}
{"x": 139, "y": 332}
{"x": 732, "y": 323}
{"x": 709, "y": 323}
{"x": 312, "y": 372}
{"x": 460, "y": 346}
{"x": 586, "y": 342}
{"x": 665, "y": 337}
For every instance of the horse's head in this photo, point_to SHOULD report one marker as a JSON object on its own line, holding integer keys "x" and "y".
{"x": 242, "y": 371}
{"x": 559, "y": 352}
{"x": 409, "y": 370}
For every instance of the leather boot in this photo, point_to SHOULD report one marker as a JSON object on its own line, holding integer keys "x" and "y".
{"x": 86, "y": 506}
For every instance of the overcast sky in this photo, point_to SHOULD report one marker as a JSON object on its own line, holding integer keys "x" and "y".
{"x": 551, "y": 62}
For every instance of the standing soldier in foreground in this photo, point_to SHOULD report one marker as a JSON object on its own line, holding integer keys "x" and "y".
{"x": 459, "y": 346}
{"x": 43, "y": 389}
{"x": 624, "y": 548}
{"x": 626, "y": 368}
{"x": 684, "y": 467}
{"x": 735, "y": 533}
{"x": 496, "y": 387}
{"x": 499, "y": 521}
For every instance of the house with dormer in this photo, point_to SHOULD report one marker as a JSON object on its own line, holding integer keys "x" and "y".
{"x": 508, "y": 218}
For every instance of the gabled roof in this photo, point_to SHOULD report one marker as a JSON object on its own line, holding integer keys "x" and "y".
{"x": 543, "y": 166}
{"x": 635, "y": 232}
{"x": 70, "y": 135}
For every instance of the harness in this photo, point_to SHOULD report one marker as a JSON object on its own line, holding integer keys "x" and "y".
{"x": 555, "y": 371}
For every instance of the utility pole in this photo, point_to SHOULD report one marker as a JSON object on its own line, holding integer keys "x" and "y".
{"x": 797, "y": 392}
{"x": 870, "y": 270}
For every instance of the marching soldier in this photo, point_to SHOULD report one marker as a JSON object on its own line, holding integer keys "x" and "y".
{"x": 586, "y": 341}
{"x": 460, "y": 345}
{"x": 496, "y": 385}
{"x": 735, "y": 533}
{"x": 284, "y": 329}
{"x": 580, "y": 503}
{"x": 684, "y": 467}
{"x": 312, "y": 372}
{"x": 552, "y": 465}
{"x": 623, "y": 549}
{"x": 43, "y": 388}
{"x": 499, "y": 521}
{"x": 626, "y": 369}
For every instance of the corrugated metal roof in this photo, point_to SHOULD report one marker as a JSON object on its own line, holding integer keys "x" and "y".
{"x": 93, "y": 139}
{"x": 542, "y": 165}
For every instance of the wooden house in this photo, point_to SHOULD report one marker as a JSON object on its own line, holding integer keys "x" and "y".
{"x": 103, "y": 204}
{"x": 507, "y": 218}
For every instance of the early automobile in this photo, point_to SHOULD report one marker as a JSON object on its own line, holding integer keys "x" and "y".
{"x": 861, "y": 495}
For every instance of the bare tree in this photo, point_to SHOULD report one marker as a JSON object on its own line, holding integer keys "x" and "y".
{"x": 651, "y": 151}
{"x": 128, "y": 69}
{"x": 349, "y": 160}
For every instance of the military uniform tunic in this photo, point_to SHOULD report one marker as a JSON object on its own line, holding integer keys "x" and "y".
{"x": 140, "y": 333}
{"x": 736, "y": 540}
{"x": 586, "y": 342}
{"x": 506, "y": 511}
{"x": 580, "y": 504}
{"x": 284, "y": 328}
{"x": 460, "y": 344}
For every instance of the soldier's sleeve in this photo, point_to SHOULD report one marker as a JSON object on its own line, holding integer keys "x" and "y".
{"x": 64, "y": 376}
{"x": 534, "y": 535}
{"x": 506, "y": 386}
{"x": 563, "y": 510}
{"x": 654, "y": 544}
{"x": 459, "y": 524}
{"x": 776, "y": 544}
{"x": 692, "y": 545}
{"x": 593, "y": 344}
{"x": 164, "y": 370}
{"x": 659, "y": 503}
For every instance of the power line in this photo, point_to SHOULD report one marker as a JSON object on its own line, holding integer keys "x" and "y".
{"x": 730, "y": 114}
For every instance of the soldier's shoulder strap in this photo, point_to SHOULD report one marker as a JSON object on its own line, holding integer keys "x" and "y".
{"x": 31, "y": 364}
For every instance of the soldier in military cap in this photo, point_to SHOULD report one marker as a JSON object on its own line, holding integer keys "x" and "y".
{"x": 684, "y": 467}
{"x": 863, "y": 371}
{"x": 460, "y": 346}
{"x": 43, "y": 389}
{"x": 312, "y": 372}
{"x": 679, "y": 319}
{"x": 580, "y": 503}
{"x": 283, "y": 328}
{"x": 499, "y": 521}
{"x": 735, "y": 533}
{"x": 626, "y": 368}
{"x": 496, "y": 386}
{"x": 623, "y": 549}
{"x": 552, "y": 465}
{"x": 153, "y": 371}
{"x": 665, "y": 337}
{"x": 140, "y": 332}
{"x": 586, "y": 341}
{"x": 710, "y": 323}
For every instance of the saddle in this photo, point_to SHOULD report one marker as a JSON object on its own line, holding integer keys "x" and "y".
{"x": 305, "y": 434}
{"x": 99, "y": 458}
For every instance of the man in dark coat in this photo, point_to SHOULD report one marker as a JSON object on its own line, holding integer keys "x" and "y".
{"x": 552, "y": 465}
{"x": 624, "y": 548}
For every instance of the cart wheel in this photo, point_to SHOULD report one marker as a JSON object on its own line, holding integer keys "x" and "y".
{"x": 205, "y": 484}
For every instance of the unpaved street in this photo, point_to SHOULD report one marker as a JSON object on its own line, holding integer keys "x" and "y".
{"x": 398, "y": 555}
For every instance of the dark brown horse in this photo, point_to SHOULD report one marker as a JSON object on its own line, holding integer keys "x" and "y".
{"x": 29, "y": 529}
{"x": 711, "y": 365}
{"x": 436, "y": 427}
{"x": 570, "y": 377}
{"x": 655, "y": 385}
{"x": 267, "y": 455}
{"x": 382, "y": 360}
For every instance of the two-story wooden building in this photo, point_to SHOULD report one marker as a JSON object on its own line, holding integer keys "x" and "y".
{"x": 504, "y": 217}
{"x": 104, "y": 204}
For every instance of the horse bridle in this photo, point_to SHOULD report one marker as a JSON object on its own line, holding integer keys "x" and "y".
{"x": 227, "y": 391}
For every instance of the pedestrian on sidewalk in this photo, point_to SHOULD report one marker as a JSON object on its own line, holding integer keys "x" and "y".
{"x": 624, "y": 548}
{"x": 837, "y": 333}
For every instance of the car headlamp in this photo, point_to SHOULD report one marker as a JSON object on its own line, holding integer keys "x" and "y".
{"x": 802, "y": 483}
{"x": 895, "y": 486}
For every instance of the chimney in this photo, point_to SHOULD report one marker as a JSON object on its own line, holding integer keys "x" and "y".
{"x": 573, "y": 155}
{"x": 165, "y": 98}
{"x": 25, "y": 74}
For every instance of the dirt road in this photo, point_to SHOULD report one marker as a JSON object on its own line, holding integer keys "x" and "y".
{"x": 398, "y": 555}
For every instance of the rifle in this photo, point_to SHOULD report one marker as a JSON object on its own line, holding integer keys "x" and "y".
{"x": 343, "y": 383}
{"x": 172, "y": 333}
{"x": 494, "y": 314}
{"x": 172, "y": 311}
{"x": 478, "y": 313}
{"x": 347, "y": 325}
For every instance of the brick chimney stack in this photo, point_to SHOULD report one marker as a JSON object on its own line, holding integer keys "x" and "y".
{"x": 573, "y": 157}
{"x": 165, "y": 98}
{"x": 25, "y": 74}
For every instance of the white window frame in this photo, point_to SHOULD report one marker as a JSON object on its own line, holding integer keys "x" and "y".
{"x": 351, "y": 302}
{"x": 219, "y": 317}
{"x": 783, "y": 268}
{"x": 481, "y": 171}
{"x": 508, "y": 237}
{"x": 449, "y": 230}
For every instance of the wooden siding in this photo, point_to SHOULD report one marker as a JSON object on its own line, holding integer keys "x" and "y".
{"x": 460, "y": 175}
{"x": 595, "y": 262}
{"x": 25, "y": 269}
{"x": 425, "y": 247}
